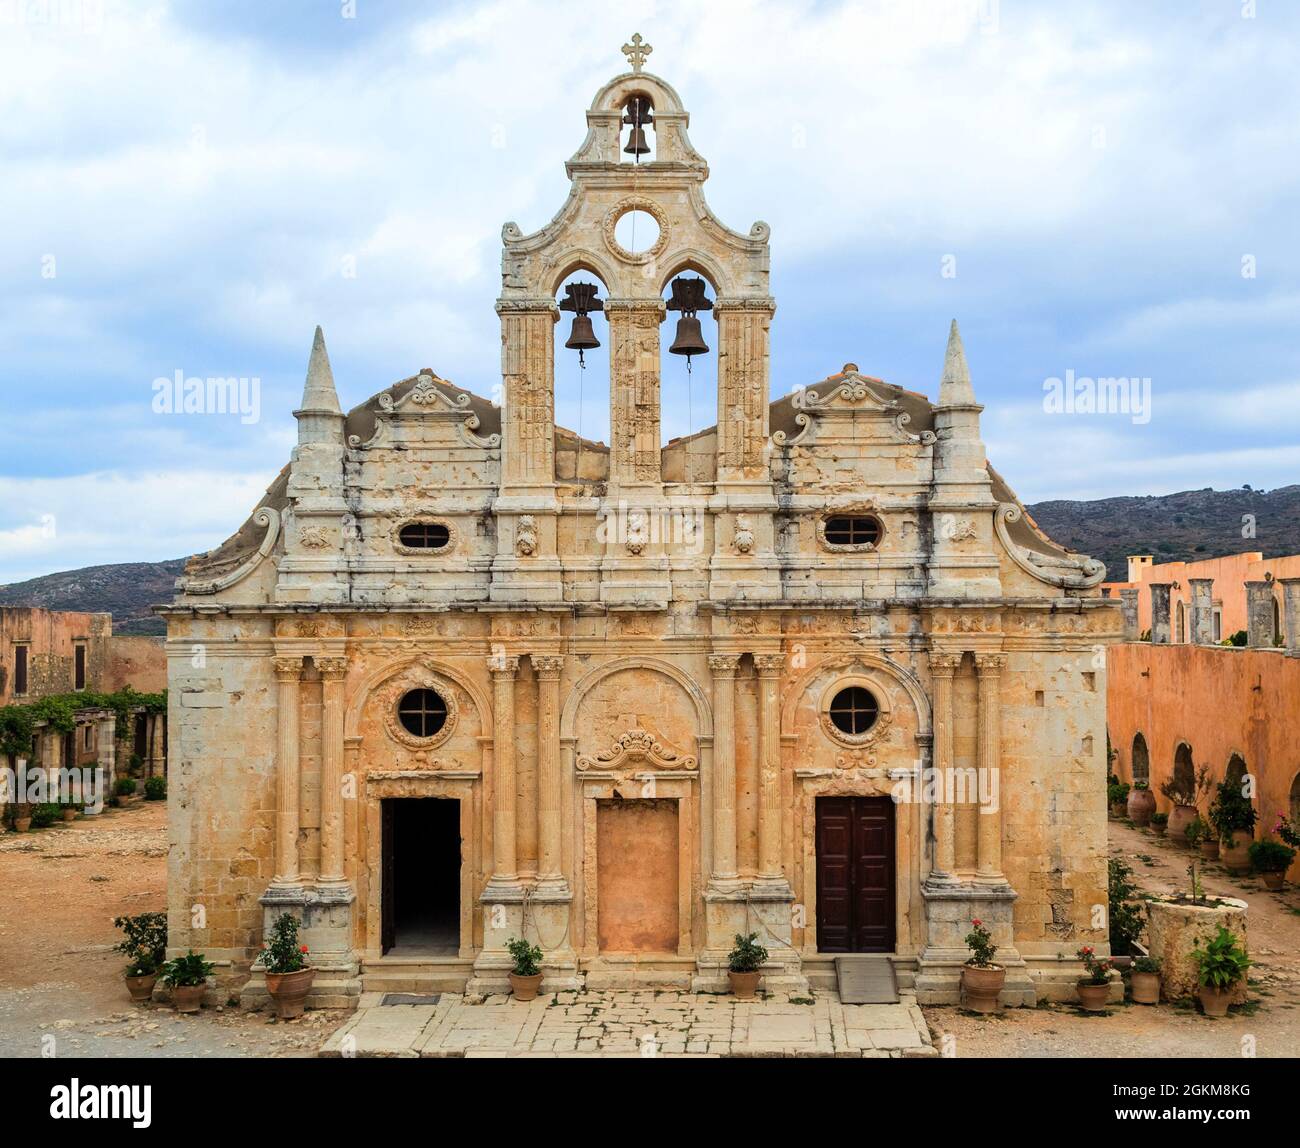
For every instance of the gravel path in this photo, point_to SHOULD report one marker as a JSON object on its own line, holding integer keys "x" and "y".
{"x": 1268, "y": 1027}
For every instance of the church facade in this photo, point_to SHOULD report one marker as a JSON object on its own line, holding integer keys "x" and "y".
{"x": 812, "y": 673}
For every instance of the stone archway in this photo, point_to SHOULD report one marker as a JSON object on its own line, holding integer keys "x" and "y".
{"x": 1141, "y": 764}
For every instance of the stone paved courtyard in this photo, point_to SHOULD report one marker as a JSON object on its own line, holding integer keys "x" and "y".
{"x": 633, "y": 1023}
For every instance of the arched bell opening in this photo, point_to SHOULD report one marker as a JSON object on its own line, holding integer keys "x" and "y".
{"x": 582, "y": 356}
{"x": 636, "y": 141}
{"x": 688, "y": 375}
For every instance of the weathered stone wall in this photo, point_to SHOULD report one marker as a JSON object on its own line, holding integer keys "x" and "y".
{"x": 51, "y": 637}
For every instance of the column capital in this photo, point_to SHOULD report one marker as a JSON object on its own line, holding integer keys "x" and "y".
{"x": 944, "y": 665}
{"x": 504, "y": 667}
{"x": 990, "y": 665}
{"x": 724, "y": 665}
{"x": 547, "y": 666}
{"x": 332, "y": 668}
{"x": 769, "y": 665}
{"x": 762, "y": 303}
{"x": 636, "y": 306}
{"x": 288, "y": 669}
{"x": 528, "y": 306}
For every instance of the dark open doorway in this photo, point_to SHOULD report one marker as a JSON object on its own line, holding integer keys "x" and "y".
{"x": 422, "y": 858}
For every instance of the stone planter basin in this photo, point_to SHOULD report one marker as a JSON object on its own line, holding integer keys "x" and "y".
{"x": 1173, "y": 929}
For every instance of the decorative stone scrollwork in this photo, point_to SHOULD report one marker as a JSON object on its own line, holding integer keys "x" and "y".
{"x": 743, "y": 539}
{"x": 637, "y": 745}
{"x": 288, "y": 669}
{"x": 1071, "y": 571}
{"x": 925, "y": 438}
{"x": 875, "y": 732}
{"x": 620, "y": 209}
{"x": 548, "y": 666}
{"x": 526, "y": 536}
{"x": 266, "y": 516}
{"x": 313, "y": 537}
{"x": 332, "y": 667}
{"x": 416, "y": 677}
{"x": 638, "y": 531}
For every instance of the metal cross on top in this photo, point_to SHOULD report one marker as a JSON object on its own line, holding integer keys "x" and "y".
{"x": 636, "y": 52}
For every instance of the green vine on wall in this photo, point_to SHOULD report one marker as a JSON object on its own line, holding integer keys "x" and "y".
{"x": 59, "y": 712}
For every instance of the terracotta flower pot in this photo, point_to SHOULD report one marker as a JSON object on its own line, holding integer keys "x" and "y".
{"x": 1092, "y": 998}
{"x": 981, "y": 986}
{"x": 1180, "y": 817}
{"x": 188, "y": 998}
{"x": 22, "y": 824}
{"x": 525, "y": 988}
{"x": 289, "y": 991}
{"x": 1146, "y": 988}
{"x": 1235, "y": 853}
{"x": 744, "y": 986}
{"x": 1210, "y": 850}
{"x": 141, "y": 988}
{"x": 1141, "y": 804}
{"x": 1117, "y": 810}
{"x": 1159, "y": 830}
{"x": 1214, "y": 1002}
{"x": 1274, "y": 880}
{"x": 68, "y": 813}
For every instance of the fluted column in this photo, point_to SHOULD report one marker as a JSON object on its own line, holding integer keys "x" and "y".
{"x": 549, "y": 875}
{"x": 505, "y": 852}
{"x": 726, "y": 876}
{"x": 332, "y": 671}
{"x": 769, "y": 766}
{"x": 988, "y": 840}
{"x": 288, "y": 677}
{"x": 942, "y": 668}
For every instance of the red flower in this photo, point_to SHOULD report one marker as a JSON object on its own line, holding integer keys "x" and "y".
{"x": 304, "y": 948}
{"x": 976, "y": 924}
{"x": 1086, "y": 949}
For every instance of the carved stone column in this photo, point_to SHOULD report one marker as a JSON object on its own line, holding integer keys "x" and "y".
{"x": 1291, "y": 607}
{"x": 769, "y": 768}
{"x": 988, "y": 840}
{"x": 743, "y": 333}
{"x": 550, "y": 877}
{"x": 528, "y": 374}
{"x": 634, "y": 391}
{"x": 1160, "y": 613}
{"x": 288, "y": 677}
{"x": 505, "y": 856}
{"x": 332, "y": 671}
{"x": 726, "y": 876}
{"x": 1259, "y": 614}
{"x": 1202, "y": 610}
{"x": 1129, "y": 607}
{"x": 942, "y": 669}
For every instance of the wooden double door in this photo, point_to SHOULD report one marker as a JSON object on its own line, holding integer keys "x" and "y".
{"x": 855, "y": 875}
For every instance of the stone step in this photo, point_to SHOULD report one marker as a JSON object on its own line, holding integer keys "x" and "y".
{"x": 416, "y": 974}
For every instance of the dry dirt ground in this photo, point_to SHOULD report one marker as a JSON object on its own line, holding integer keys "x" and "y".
{"x": 1270, "y": 1023}
{"x": 60, "y": 981}
{"x": 61, "y": 988}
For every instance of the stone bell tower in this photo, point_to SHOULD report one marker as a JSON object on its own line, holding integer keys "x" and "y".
{"x": 634, "y": 563}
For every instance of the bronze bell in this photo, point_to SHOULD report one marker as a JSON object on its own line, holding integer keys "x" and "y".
{"x": 690, "y": 339}
{"x": 638, "y": 109}
{"x": 582, "y": 337}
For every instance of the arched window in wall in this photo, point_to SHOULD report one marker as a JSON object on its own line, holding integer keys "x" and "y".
{"x": 1184, "y": 771}
{"x": 688, "y": 373}
{"x": 1294, "y": 815}
{"x": 581, "y": 369}
{"x": 1236, "y": 770}
{"x": 1141, "y": 759}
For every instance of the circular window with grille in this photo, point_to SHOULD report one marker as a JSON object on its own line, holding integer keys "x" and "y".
{"x": 422, "y": 712}
{"x": 853, "y": 710}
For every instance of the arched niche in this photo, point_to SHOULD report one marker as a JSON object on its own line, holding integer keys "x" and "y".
{"x": 1141, "y": 759}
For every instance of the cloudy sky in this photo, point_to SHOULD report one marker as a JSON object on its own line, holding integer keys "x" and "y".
{"x": 1106, "y": 189}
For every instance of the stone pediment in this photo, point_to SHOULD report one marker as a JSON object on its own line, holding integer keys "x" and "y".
{"x": 850, "y": 392}
{"x": 636, "y": 747}
{"x": 427, "y": 400}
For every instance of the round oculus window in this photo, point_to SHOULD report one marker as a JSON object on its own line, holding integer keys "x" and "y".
{"x": 854, "y": 710}
{"x": 422, "y": 712}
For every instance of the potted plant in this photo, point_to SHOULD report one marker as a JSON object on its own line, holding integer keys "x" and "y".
{"x": 145, "y": 946}
{"x": 1271, "y": 860}
{"x": 526, "y": 973}
{"x": 124, "y": 789}
{"x": 69, "y": 812}
{"x": 155, "y": 788}
{"x": 981, "y": 979}
{"x": 288, "y": 975}
{"x": 187, "y": 978}
{"x": 1183, "y": 791}
{"x": 1159, "y": 823}
{"x": 1124, "y": 912}
{"x": 1233, "y": 816}
{"x": 1194, "y": 832}
{"x": 1117, "y": 798}
{"x": 1094, "y": 987}
{"x": 1141, "y": 804}
{"x": 1220, "y": 966}
{"x": 22, "y": 817}
{"x": 1145, "y": 980}
{"x": 744, "y": 961}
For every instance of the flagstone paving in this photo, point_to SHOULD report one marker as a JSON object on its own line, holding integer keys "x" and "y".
{"x": 633, "y": 1023}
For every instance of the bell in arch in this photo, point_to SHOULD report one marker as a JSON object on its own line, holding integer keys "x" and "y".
{"x": 688, "y": 298}
{"x": 580, "y": 298}
{"x": 639, "y": 115}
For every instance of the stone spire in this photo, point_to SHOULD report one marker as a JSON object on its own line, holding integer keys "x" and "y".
{"x": 319, "y": 395}
{"x": 954, "y": 387}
